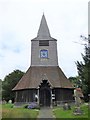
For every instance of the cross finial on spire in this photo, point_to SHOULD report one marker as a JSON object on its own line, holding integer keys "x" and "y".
{"x": 43, "y": 13}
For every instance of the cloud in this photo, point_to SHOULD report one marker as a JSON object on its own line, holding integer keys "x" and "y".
{"x": 19, "y": 23}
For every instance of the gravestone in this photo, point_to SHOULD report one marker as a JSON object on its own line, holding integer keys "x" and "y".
{"x": 10, "y": 101}
{"x": 66, "y": 106}
{"x": 78, "y": 95}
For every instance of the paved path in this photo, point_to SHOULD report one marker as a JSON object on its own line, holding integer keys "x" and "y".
{"x": 46, "y": 112}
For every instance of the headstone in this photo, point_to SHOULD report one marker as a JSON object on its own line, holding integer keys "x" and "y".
{"x": 78, "y": 95}
{"x": 66, "y": 106}
{"x": 10, "y": 101}
{"x": 4, "y": 102}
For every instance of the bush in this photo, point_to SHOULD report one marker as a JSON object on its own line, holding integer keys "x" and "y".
{"x": 33, "y": 106}
{"x": 7, "y": 105}
{"x": 25, "y": 106}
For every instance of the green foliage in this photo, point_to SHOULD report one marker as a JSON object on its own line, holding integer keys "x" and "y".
{"x": 76, "y": 81}
{"x": 7, "y": 105}
{"x": 9, "y": 83}
{"x": 0, "y": 89}
{"x": 60, "y": 113}
{"x": 9, "y": 112}
{"x": 84, "y": 73}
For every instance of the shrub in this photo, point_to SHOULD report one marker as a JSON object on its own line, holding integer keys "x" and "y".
{"x": 33, "y": 106}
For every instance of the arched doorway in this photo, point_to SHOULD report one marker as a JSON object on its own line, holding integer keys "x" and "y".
{"x": 45, "y": 94}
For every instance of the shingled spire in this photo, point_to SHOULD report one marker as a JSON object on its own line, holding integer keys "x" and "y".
{"x": 43, "y": 32}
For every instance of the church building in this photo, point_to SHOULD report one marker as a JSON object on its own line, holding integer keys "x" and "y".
{"x": 44, "y": 82}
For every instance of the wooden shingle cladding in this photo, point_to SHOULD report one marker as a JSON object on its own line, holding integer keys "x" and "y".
{"x": 26, "y": 95}
{"x": 35, "y": 74}
{"x": 63, "y": 94}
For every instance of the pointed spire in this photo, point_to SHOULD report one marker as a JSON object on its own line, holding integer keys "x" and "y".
{"x": 43, "y": 32}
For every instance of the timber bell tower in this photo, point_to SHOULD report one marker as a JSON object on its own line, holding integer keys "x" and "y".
{"x": 44, "y": 47}
{"x": 44, "y": 82}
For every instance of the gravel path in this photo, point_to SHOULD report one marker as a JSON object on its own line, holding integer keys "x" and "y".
{"x": 46, "y": 113}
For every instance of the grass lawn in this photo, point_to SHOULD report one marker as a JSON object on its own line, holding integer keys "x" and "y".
{"x": 9, "y": 112}
{"x": 60, "y": 113}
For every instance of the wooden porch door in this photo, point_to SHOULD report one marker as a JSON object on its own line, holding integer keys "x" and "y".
{"x": 45, "y": 94}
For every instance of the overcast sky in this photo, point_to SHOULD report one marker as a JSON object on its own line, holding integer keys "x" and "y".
{"x": 19, "y": 23}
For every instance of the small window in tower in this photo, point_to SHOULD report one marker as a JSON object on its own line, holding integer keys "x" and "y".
{"x": 43, "y": 42}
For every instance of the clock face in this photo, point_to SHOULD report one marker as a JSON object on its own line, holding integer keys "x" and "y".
{"x": 44, "y": 53}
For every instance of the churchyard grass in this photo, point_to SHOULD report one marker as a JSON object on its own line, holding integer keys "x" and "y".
{"x": 60, "y": 113}
{"x": 8, "y": 111}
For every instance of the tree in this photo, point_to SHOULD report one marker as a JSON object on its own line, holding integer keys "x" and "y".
{"x": 83, "y": 72}
{"x": 9, "y": 83}
{"x": 76, "y": 81}
{"x": 0, "y": 89}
